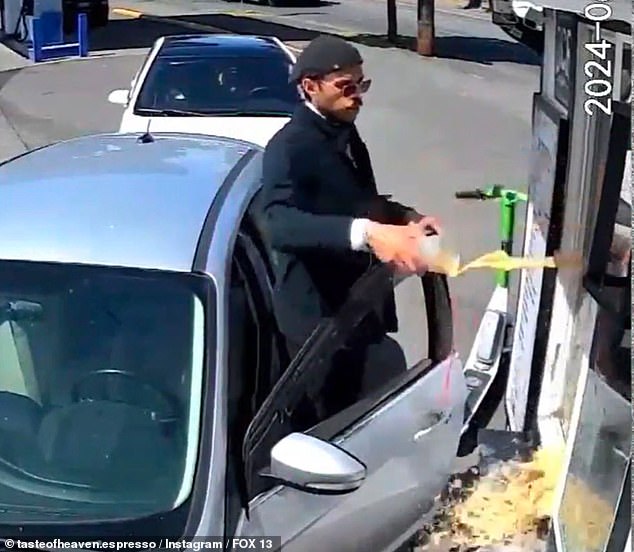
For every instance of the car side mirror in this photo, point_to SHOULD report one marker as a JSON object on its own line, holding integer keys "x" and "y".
{"x": 313, "y": 465}
{"x": 119, "y": 97}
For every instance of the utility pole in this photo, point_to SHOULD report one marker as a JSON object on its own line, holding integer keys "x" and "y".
{"x": 426, "y": 32}
{"x": 392, "y": 21}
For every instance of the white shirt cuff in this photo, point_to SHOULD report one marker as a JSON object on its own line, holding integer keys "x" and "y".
{"x": 358, "y": 235}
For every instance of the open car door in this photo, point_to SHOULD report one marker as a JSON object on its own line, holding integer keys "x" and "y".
{"x": 364, "y": 478}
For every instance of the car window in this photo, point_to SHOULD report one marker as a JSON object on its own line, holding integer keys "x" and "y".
{"x": 330, "y": 384}
{"x": 101, "y": 375}
{"x": 359, "y": 357}
{"x": 217, "y": 85}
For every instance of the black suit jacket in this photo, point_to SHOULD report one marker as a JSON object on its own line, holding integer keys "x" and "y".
{"x": 317, "y": 177}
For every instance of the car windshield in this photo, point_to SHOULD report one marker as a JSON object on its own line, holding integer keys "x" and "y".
{"x": 249, "y": 86}
{"x": 101, "y": 374}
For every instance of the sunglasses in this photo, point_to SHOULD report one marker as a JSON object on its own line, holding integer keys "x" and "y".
{"x": 349, "y": 88}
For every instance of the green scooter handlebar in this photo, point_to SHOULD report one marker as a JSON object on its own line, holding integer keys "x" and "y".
{"x": 494, "y": 192}
{"x": 508, "y": 199}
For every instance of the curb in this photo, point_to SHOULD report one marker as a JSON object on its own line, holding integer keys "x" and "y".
{"x": 57, "y": 61}
{"x": 11, "y": 143}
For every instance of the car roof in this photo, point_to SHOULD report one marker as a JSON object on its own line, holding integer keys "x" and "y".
{"x": 219, "y": 45}
{"x": 110, "y": 199}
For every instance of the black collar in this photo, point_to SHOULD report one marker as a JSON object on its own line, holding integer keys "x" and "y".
{"x": 336, "y": 131}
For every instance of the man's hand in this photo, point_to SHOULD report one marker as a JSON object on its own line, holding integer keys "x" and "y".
{"x": 399, "y": 245}
{"x": 429, "y": 225}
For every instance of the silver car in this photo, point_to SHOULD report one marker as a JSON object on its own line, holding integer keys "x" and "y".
{"x": 145, "y": 391}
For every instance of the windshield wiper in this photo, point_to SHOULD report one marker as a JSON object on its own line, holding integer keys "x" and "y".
{"x": 242, "y": 113}
{"x": 209, "y": 112}
{"x": 169, "y": 112}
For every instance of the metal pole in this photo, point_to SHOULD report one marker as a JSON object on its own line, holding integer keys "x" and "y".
{"x": 426, "y": 31}
{"x": 3, "y": 29}
{"x": 82, "y": 34}
{"x": 392, "y": 30}
{"x": 36, "y": 39}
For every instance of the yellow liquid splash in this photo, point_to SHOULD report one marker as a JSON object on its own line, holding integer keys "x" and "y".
{"x": 448, "y": 263}
{"x": 507, "y": 505}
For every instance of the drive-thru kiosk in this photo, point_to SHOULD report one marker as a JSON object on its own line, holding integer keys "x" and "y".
{"x": 570, "y": 369}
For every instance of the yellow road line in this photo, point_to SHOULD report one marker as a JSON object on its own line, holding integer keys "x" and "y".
{"x": 127, "y": 12}
{"x": 244, "y": 12}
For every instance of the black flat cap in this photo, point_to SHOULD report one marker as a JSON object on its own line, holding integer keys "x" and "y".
{"x": 324, "y": 55}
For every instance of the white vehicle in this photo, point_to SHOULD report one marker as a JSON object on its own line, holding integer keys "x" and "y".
{"x": 520, "y": 19}
{"x": 228, "y": 85}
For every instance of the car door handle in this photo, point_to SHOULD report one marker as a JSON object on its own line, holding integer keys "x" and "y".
{"x": 433, "y": 421}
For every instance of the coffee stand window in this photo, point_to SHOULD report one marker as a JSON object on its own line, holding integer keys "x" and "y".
{"x": 587, "y": 518}
{"x": 608, "y": 272}
{"x": 571, "y": 334}
{"x": 566, "y": 338}
{"x": 565, "y": 50}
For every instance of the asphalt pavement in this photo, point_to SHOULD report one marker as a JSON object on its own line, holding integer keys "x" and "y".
{"x": 433, "y": 126}
{"x": 56, "y": 100}
{"x": 458, "y": 120}
{"x": 461, "y": 34}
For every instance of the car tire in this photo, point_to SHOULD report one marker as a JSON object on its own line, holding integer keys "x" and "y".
{"x": 531, "y": 38}
{"x": 68, "y": 22}
{"x": 100, "y": 16}
{"x": 408, "y": 546}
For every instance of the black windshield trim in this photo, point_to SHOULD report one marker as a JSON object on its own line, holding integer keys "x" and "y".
{"x": 182, "y": 57}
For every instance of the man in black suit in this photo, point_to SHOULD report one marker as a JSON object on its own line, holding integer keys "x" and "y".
{"x": 324, "y": 218}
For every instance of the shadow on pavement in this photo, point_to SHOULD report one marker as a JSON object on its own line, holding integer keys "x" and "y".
{"x": 249, "y": 25}
{"x": 123, "y": 34}
{"x": 119, "y": 34}
{"x": 126, "y": 34}
{"x": 474, "y": 49}
{"x": 294, "y": 4}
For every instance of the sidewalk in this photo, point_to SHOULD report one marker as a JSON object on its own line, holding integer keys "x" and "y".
{"x": 10, "y": 143}
{"x": 10, "y": 60}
